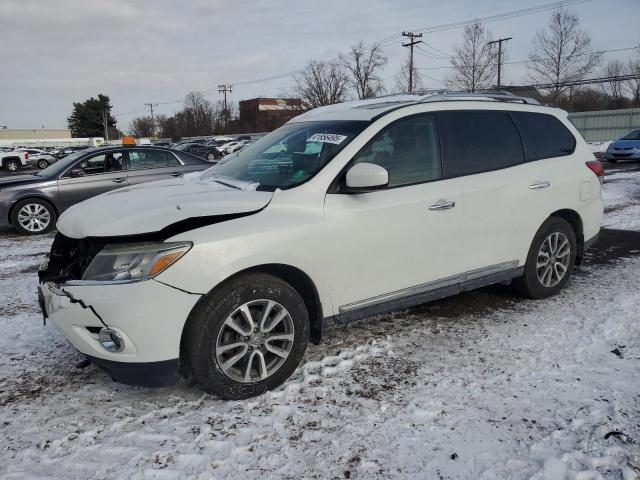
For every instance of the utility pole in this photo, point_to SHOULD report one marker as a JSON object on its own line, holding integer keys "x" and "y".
{"x": 105, "y": 116}
{"x": 225, "y": 89}
{"x": 412, "y": 37}
{"x": 153, "y": 123}
{"x": 499, "y": 42}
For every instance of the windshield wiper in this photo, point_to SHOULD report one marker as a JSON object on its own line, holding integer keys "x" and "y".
{"x": 227, "y": 184}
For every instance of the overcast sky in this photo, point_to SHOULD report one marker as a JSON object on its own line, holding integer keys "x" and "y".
{"x": 55, "y": 52}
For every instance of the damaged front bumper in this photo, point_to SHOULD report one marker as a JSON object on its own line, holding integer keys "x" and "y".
{"x": 148, "y": 315}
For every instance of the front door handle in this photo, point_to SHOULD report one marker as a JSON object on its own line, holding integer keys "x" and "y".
{"x": 539, "y": 185}
{"x": 175, "y": 174}
{"x": 442, "y": 205}
{"x": 118, "y": 180}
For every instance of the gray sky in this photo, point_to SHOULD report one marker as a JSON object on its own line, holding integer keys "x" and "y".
{"x": 53, "y": 53}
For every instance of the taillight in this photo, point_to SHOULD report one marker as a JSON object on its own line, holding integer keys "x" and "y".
{"x": 596, "y": 167}
{"x": 26, "y": 156}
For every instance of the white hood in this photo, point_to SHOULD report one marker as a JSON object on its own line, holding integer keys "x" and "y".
{"x": 152, "y": 206}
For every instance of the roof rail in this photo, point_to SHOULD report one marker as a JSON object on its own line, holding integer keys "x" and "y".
{"x": 485, "y": 96}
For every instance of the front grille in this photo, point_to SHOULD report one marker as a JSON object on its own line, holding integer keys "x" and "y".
{"x": 69, "y": 258}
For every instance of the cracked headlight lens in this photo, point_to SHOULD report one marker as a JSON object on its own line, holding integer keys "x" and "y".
{"x": 131, "y": 262}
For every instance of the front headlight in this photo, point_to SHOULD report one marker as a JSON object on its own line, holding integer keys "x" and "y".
{"x": 132, "y": 262}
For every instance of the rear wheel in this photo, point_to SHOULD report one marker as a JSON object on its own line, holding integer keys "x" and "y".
{"x": 12, "y": 165}
{"x": 42, "y": 164}
{"x": 33, "y": 216}
{"x": 247, "y": 337}
{"x": 550, "y": 260}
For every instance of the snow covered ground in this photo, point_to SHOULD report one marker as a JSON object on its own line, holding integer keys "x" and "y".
{"x": 484, "y": 385}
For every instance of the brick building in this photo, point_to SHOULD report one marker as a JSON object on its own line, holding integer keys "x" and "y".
{"x": 266, "y": 114}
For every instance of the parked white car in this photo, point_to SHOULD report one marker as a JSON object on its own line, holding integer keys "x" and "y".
{"x": 228, "y": 147}
{"x": 40, "y": 158}
{"x": 346, "y": 211}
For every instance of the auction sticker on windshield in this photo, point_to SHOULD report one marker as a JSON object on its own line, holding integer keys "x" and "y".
{"x": 327, "y": 138}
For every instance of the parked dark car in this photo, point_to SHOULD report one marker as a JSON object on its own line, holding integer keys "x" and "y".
{"x": 208, "y": 152}
{"x": 68, "y": 151}
{"x": 32, "y": 203}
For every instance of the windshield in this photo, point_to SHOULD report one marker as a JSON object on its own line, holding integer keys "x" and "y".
{"x": 635, "y": 135}
{"x": 288, "y": 156}
{"x": 55, "y": 169}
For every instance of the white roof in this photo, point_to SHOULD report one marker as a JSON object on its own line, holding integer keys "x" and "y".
{"x": 369, "y": 109}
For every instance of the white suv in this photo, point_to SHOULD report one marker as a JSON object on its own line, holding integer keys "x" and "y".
{"x": 346, "y": 211}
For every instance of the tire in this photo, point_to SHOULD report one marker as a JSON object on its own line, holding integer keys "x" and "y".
{"x": 33, "y": 216}
{"x": 211, "y": 157}
{"x": 208, "y": 331}
{"x": 12, "y": 165}
{"x": 42, "y": 164}
{"x": 547, "y": 280}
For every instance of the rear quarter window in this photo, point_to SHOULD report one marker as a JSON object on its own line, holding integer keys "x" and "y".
{"x": 543, "y": 136}
{"x": 478, "y": 141}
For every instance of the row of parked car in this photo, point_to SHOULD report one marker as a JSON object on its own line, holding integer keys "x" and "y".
{"x": 212, "y": 149}
{"x": 13, "y": 159}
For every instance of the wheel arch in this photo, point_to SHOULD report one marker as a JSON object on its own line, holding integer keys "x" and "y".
{"x": 295, "y": 277}
{"x": 575, "y": 220}
{"x": 30, "y": 197}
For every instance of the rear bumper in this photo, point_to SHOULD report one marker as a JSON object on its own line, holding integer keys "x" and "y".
{"x": 148, "y": 374}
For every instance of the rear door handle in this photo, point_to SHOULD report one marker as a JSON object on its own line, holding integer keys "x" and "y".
{"x": 175, "y": 174}
{"x": 118, "y": 180}
{"x": 539, "y": 185}
{"x": 442, "y": 205}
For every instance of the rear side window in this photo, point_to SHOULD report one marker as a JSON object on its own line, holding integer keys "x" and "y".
{"x": 478, "y": 141}
{"x": 543, "y": 136}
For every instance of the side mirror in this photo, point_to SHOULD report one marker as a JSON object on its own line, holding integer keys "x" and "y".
{"x": 364, "y": 177}
{"x": 76, "y": 172}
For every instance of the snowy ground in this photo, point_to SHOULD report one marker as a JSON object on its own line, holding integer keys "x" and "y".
{"x": 484, "y": 385}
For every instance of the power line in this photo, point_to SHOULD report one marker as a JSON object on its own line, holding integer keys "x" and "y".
{"x": 434, "y": 28}
{"x": 530, "y": 61}
{"x": 153, "y": 125}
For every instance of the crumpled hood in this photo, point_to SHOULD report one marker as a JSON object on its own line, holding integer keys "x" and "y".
{"x": 150, "y": 207}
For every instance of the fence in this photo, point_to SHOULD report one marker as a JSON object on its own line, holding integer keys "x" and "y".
{"x": 606, "y": 124}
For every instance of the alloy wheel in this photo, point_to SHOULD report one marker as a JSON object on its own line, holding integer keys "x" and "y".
{"x": 254, "y": 341}
{"x": 553, "y": 259}
{"x": 34, "y": 217}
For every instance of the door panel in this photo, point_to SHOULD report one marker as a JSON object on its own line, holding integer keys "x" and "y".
{"x": 382, "y": 242}
{"x": 389, "y": 240}
{"x": 104, "y": 173}
{"x": 150, "y": 165}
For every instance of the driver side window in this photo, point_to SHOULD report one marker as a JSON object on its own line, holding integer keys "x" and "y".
{"x": 408, "y": 149}
{"x": 103, "y": 163}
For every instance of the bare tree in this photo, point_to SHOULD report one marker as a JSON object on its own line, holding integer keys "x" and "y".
{"x": 562, "y": 53}
{"x": 614, "y": 89}
{"x": 401, "y": 79}
{"x": 633, "y": 85}
{"x": 321, "y": 83}
{"x": 362, "y": 64}
{"x": 474, "y": 62}
{"x": 198, "y": 114}
{"x": 141, "y": 127}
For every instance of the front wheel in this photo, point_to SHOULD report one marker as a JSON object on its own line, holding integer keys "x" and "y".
{"x": 33, "y": 216}
{"x": 247, "y": 337}
{"x": 550, "y": 261}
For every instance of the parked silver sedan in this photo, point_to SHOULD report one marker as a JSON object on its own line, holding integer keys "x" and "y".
{"x": 32, "y": 203}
